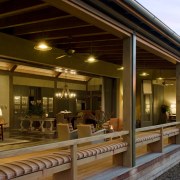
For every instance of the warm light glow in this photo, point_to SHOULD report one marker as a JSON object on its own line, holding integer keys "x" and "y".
{"x": 91, "y": 59}
{"x": 120, "y": 68}
{"x": 111, "y": 127}
{"x": 173, "y": 108}
{"x": 0, "y": 112}
{"x": 65, "y": 93}
{"x": 144, "y": 74}
{"x": 160, "y": 78}
{"x": 42, "y": 46}
{"x": 69, "y": 71}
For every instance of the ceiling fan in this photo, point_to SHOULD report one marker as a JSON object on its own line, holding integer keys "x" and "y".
{"x": 68, "y": 53}
{"x": 163, "y": 82}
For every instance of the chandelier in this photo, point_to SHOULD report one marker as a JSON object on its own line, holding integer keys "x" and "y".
{"x": 65, "y": 93}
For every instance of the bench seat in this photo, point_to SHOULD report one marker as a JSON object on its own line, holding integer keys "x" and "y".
{"x": 42, "y": 163}
{"x": 25, "y": 167}
{"x": 171, "y": 132}
{"x": 147, "y": 137}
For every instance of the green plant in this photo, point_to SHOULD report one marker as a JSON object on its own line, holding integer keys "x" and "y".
{"x": 165, "y": 108}
{"x": 35, "y": 110}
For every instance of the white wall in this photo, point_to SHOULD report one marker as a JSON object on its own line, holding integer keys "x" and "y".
{"x": 4, "y": 97}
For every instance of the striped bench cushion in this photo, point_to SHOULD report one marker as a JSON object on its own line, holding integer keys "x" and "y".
{"x": 94, "y": 151}
{"x": 172, "y": 131}
{"x": 20, "y": 168}
{"x": 31, "y": 165}
{"x": 141, "y": 137}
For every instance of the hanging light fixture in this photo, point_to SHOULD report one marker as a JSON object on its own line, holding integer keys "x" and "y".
{"x": 42, "y": 46}
{"x": 91, "y": 58}
{"x": 65, "y": 93}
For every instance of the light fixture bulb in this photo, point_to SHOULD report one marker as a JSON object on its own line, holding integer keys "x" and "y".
{"x": 160, "y": 78}
{"x": 42, "y": 46}
{"x": 144, "y": 74}
{"x": 91, "y": 59}
{"x": 120, "y": 68}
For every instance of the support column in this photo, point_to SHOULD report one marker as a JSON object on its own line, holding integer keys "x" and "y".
{"x": 178, "y": 92}
{"x": 178, "y": 99}
{"x": 129, "y": 97}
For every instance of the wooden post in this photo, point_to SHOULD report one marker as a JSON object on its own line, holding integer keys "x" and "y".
{"x": 158, "y": 145}
{"x": 129, "y": 97}
{"x": 70, "y": 174}
{"x": 178, "y": 99}
{"x": 178, "y": 92}
{"x": 74, "y": 162}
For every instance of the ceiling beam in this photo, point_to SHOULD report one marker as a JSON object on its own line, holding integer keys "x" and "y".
{"x": 34, "y": 16}
{"x": 19, "y": 6}
{"x": 63, "y": 23}
{"x": 71, "y": 32}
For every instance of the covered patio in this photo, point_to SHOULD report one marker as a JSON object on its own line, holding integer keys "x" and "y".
{"x": 136, "y": 74}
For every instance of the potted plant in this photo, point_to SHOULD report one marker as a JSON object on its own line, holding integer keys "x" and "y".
{"x": 164, "y": 113}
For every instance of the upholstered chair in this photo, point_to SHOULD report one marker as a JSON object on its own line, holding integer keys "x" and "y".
{"x": 60, "y": 118}
{"x": 86, "y": 130}
{"x": 66, "y": 132}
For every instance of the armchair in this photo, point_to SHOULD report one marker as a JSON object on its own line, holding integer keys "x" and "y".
{"x": 66, "y": 132}
{"x": 86, "y": 130}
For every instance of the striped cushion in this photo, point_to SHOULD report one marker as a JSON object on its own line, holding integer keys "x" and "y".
{"x": 146, "y": 136}
{"x": 171, "y": 132}
{"x": 15, "y": 169}
{"x": 94, "y": 151}
{"x": 20, "y": 168}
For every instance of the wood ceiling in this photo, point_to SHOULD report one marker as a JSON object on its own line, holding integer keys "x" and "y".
{"x": 36, "y": 20}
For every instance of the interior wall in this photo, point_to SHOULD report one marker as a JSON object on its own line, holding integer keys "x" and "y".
{"x": 32, "y": 82}
{"x": 4, "y": 97}
{"x": 158, "y": 96}
{"x": 138, "y": 101}
{"x": 170, "y": 96}
{"x": 110, "y": 89}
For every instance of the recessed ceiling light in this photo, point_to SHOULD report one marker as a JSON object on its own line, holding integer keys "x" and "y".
{"x": 91, "y": 59}
{"x": 144, "y": 74}
{"x": 69, "y": 71}
{"x": 120, "y": 68}
{"x": 42, "y": 46}
{"x": 159, "y": 78}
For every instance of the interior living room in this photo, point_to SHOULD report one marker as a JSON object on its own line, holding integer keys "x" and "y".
{"x": 93, "y": 75}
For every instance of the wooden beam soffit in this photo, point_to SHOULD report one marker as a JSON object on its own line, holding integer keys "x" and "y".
{"x": 153, "y": 48}
{"x": 92, "y": 16}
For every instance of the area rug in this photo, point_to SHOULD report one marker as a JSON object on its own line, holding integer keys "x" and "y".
{"x": 11, "y": 141}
